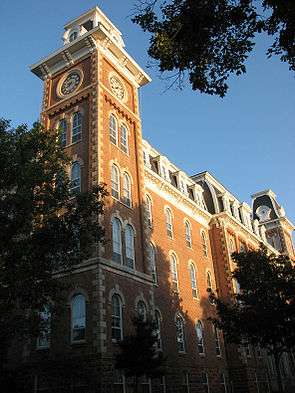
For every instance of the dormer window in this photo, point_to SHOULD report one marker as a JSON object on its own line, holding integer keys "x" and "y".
{"x": 73, "y": 36}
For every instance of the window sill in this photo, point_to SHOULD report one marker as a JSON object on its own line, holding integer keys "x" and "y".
{"x": 119, "y": 148}
{"x": 115, "y": 341}
{"x": 42, "y": 348}
{"x": 78, "y": 342}
{"x": 122, "y": 203}
{"x": 72, "y": 144}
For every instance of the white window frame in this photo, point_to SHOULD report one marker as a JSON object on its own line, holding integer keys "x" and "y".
{"x": 149, "y": 209}
{"x": 209, "y": 280}
{"x": 169, "y": 223}
{"x": 129, "y": 246}
{"x": 113, "y": 129}
{"x": 117, "y": 319}
{"x": 193, "y": 280}
{"x": 78, "y": 317}
{"x": 174, "y": 273}
{"x": 75, "y": 183}
{"x": 124, "y": 145}
{"x": 204, "y": 243}
{"x": 200, "y": 337}
{"x": 115, "y": 182}
{"x": 62, "y": 128}
{"x": 188, "y": 234}
{"x": 77, "y": 127}
{"x": 117, "y": 240}
{"x": 217, "y": 341}
{"x": 127, "y": 194}
{"x": 152, "y": 262}
{"x": 180, "y": 334}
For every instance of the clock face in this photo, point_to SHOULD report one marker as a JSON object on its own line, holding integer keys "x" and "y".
{"x": 70, "y": 84}
{"x": 117, "y": 88}
{"x": 263, "y": 212}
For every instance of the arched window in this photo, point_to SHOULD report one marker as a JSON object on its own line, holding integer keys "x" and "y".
{"x": 217, "y": 341}
{"x": 115, "y": 182}
{"x": 77, "y": 127}
{"x": 129, "y": 245}
{"x": 149, "y": 211}
{"x": 188, "y": 234}
{"x": 180, "y": 333}
{"x": 78, "y": 308}
{"x": 174, "y": 274}
{"x": 152, "y": 261}
{"x": 75, "y": 185}
{"x": 141, "y": 310}
{"x": 62, "y": 127}
{"x": 73, "y": 36}
{"x": 192, "y": 272}
{"x": 43, "y": 341}
{"x": 124, "y": 138}
{"x": 117, "y": 240}
{"x": 126, "y": 190}
{"x": 117, "y": 320}
{"x": 169, "y": 223}
{"x": 113, "y": 129}
{"x": 158, "y": 329}
{"x": 200, "y": 337}
{"x": 204, "y": 243}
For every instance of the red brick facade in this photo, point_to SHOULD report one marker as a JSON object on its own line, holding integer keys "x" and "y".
{"x": 99, "y": 57}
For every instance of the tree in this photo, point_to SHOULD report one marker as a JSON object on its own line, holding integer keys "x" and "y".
{"x": 263, "y": 313}
{"x": 138, "y": 355}
{"x": 210, "y": 40}
{"x": 44, "y": 228}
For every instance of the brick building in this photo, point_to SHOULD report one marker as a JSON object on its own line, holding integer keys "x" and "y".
{"x": 169, "y": 235}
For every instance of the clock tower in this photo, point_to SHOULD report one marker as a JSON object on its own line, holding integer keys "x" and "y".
{"x": 272, "y": 216}
{"x": 91, "y": 95}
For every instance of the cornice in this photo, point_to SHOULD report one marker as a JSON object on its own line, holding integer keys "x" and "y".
{"x": 211, "y": 179}
{"x": 98, "y": 37}
{"x": 181, "y": 201}
{"x": 224, "y": 217}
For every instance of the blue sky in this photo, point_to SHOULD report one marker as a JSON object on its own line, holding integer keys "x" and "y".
{"x": 246, "y": 140}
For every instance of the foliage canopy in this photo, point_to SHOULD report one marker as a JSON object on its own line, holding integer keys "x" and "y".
{"x": 263, "y": 313}
{"x": 44, "y": 228}
{"x": 210, "y": 40}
